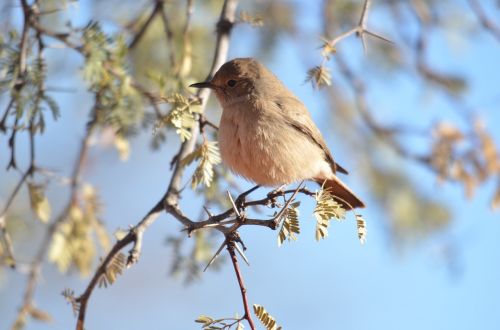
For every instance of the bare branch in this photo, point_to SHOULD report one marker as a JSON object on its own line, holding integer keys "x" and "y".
{"x": 485, "y": 21}
{"x": 230, "y": 248}
{"x": 138, "y": 36}
{"x": 360, "y": 30}
{"x": 169, "y": 35}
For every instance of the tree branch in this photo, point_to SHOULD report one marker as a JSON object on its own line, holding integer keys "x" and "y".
{"x": 360, "y": 30}
{"x": 170, "y": 199}
{"x": 487, "y": 23}
{"x": 230, "y": 248}
{"x": 138, "y": 36}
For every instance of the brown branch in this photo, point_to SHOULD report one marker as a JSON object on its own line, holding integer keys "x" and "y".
{"x": 386, "y": 134}
{"x": 3, "y": 127}
{"x": 170, "y": 199}
{"x": 230, "y": 248}
{"x": 484, "y": 20}
{"x": 168, "y": 32}
{"x": 138, "y": 36}
{"x": 360, "y": 30}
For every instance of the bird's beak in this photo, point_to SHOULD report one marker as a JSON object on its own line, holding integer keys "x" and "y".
{"x": 205, "y": 84}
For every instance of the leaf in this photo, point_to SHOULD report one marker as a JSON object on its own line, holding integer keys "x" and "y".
{"x": 69, "y": 296}
{"x": 319, "y": 76}
{"x": 208, "y": 155}
{"x": 265, "y": 318}
{"x": 53, "y": 106}
{"x": 326, "y": 208}
{"x": 327, "y": 49}
{"x": 254, "y": 21}
{"x": 181, "y": 115}
{"x": 361, "y": 225}
{"x": 206, "y": 320}
{"x": 39, "y": 315}
{"x": 74, "y": 244}
{"x": 290, "y": 226}
{"x": 39, "y": 202}
{"x": 194, "y": 155}
{"x": 115, "y": 267}
{"x": 120, "y": 233}
{"x": 123, "y": 147}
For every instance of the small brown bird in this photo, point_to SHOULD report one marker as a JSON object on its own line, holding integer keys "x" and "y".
{"x": 266, "y": 133}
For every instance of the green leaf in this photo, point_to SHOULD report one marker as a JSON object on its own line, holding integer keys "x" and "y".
{"x": 206, "y": 320}
{"x": 181, "y": 115}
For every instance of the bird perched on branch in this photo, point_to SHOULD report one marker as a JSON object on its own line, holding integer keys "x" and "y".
{"x": 266, "y": 134}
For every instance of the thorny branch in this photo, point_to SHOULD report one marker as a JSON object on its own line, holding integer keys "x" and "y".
{"x": 170, "y": 199}
{"x": 468, "y": 167}
{"x": 231, "y": 245}
{"x": 158, "y": 9}
{"x": 483, "y": 18}
{"x": 360, "y": 30}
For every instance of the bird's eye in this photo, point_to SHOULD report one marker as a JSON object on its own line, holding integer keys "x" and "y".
{"x": 231, "y": 82}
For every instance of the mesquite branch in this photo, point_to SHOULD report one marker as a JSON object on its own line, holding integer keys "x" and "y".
{"x": 169, "y": 200}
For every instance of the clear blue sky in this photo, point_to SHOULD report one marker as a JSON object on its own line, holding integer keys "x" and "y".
{"x": 333, "y": 284}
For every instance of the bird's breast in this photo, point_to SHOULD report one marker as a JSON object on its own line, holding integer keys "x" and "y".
{"x": 264, "y": 149}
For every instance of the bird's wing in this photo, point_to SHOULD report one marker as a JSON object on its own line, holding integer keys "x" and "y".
{"x": 296, "y": 115}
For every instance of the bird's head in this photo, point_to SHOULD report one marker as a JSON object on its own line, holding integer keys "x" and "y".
{"x": 238, "y": 80}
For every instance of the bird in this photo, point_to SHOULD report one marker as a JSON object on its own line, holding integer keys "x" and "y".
{"x": 267, "y": 135}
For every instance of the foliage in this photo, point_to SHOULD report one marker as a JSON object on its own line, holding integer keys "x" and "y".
{"x": 115, "y": 267}
{"x": 207, "y": 155}
{"x": 265, "y": 318}
{"x": 72, "y": 244}
{"x": 290, "y": 224}
{"x": 118, "y": 104}
{"x": 39, "y": 202}
{"x": 209, "y": 323}
{"x": 319, "y": 76}
{"x": 137, "y": 72}
{"x": 181, "y": 115}
{"x": 327, "y": 208}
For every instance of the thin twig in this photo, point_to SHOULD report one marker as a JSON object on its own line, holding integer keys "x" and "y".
{"x": 230, "y": 248}
{"x": 487, "y": 23}
{"x": 360, "y": 30}
{"x": 169, "y": 35}
{"x": 138, "y": 36}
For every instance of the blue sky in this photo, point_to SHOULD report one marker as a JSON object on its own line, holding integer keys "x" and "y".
{"x": 333, "y": 284}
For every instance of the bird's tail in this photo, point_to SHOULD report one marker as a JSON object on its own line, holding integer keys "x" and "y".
{"x": 343, "y": 194}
